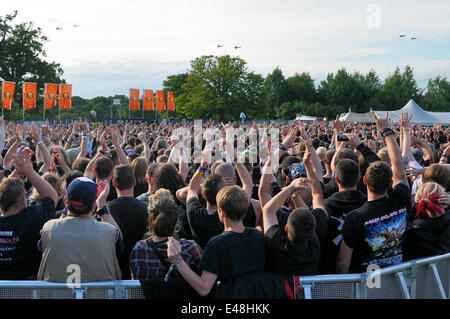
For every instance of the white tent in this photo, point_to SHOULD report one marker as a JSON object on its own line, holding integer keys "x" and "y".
{"x": 419, "y": 116}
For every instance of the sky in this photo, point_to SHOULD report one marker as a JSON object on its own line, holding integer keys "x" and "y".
{"x": 138, "y": 43}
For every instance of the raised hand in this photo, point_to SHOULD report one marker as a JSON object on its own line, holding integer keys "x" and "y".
{"x": 404, "y": 120}
{"x": 337, "y": 124}
{"x": 22, "y": 161}
{"x": 381, "y": 122}
{"x": 173, "y": 249}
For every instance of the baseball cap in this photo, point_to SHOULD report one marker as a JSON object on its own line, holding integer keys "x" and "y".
{"x": 81, "y": 192}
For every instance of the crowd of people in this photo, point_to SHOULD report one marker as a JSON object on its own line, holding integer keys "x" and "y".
{"x": 191, "y": 210}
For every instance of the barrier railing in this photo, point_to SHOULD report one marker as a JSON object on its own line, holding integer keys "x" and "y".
{"x": 427, "y": 278}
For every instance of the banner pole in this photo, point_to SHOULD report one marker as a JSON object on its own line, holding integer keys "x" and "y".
{"x": 45, "y": 91}
{"x": 23, "y": 101}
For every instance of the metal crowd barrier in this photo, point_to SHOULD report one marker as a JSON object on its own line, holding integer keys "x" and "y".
{"x": 426, "y": 278}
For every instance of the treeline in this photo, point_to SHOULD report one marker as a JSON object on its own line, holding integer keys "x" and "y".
{"x": 213, "y": 88}
{"x": 221, "y": 87}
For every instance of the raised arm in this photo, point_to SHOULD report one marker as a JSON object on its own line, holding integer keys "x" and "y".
{"x": 406, "y": 137}
{"x": 398, "y": 169}
{"x": 89, "y": 171}
{"x": 40, "y": 146}
{"x": 316, "y": 187}
{"x": 24, "y": 167}
{"x": 123, "y": 160}
{"x": 271, "y": 208}
{"x": 10, "y": 154}
{"x": 314, "y": 158}
{"x": 147, "y": 153}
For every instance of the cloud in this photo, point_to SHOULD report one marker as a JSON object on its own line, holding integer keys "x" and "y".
{"x": 94, "y": 78}
{"x": 135, "y": 43}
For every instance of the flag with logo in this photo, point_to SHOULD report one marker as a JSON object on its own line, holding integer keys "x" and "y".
{"x": 29, "y": 95}
{"x": 160, "y": 103}
{"x": 8, "y": 94}
{"x": 170, "y": 101}
{"x": 149, "y": 100}
{"x": 134, "y": 100}
{"x": 50, "y": 95}
{"x": 65, "y": 96}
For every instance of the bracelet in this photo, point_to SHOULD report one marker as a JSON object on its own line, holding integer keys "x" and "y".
{"x": 178, "y": 261}
{"x": 39, "y": 143}
{"x": 200, "y": 173}
{"x": 387, "y": 132}
{"x": 166, "y": 277}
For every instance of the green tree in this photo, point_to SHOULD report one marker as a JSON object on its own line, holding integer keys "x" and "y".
{"x": 437, "y": 96}
{"x": 398, "y": 89}
{"x": 221, "y": 87}
{"x": 174, "y": 83}
{"x": 22, "y": 59}
{"x": 369, "y": 86}
{"x": 276, "y": 88}
{"x": 342, "y": 89}
{"x": 300, "y": 87}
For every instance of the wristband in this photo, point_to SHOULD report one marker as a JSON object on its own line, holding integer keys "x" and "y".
{"x": 202, "y": 170}
{"x": 387, "y": 132}
{"x": 39, "y": 143}
{"x": 166, "y": 277}
{"x": 178, "y": 261}
{"x": 104, "y": 211}
{"x": 200, "y": 173}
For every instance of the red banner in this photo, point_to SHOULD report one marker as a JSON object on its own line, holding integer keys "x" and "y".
{"x": 65, "y": 96}
{"x": 8, "y": 94}
{"x": 29, "y": 95}
{"x": 149, "y": 100}
{"x": 170, "y": 101}
{"x": 160, "y": 103}
{"x": 134, "y": 100}
{"x": 50, "y": 95}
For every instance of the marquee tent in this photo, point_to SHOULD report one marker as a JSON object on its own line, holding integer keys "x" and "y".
{"x": 419, "y": 116}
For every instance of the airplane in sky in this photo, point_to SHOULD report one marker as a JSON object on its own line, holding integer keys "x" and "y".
{"x": 76, "y": 25}
{"x": 58, "y": 28}
{"x": 413, "y": 38}
{"x": 219, "y": 46}
{"x": 236, "y": 47}
{"x": 402, "y": 35}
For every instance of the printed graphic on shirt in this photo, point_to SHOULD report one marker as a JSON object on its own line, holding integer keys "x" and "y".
{"x": 7, "y": 245}
{"x": 383, "y": 235}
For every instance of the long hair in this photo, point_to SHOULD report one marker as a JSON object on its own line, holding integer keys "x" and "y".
{"x": 167, "y": 176}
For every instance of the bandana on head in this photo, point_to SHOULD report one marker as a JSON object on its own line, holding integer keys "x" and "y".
{"x": 428, "y": 207}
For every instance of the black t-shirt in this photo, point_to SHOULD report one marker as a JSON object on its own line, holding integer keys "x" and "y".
{"x": 290, "y": 258}
{"x": 204, "y": 225}
{"x": 140, "y": 189}
{"x": 19, "y": 235}
{"x": 249, "y": 219}
{"x": 232, "y": 254}
{"x": 131, "y": 216}
{"x": 375, "y": 231}
{"x": 338, "y": 206}
{"x": 426, "y": 237}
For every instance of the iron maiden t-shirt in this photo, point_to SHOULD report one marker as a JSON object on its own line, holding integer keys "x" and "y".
{"x": 375, "y": 230}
